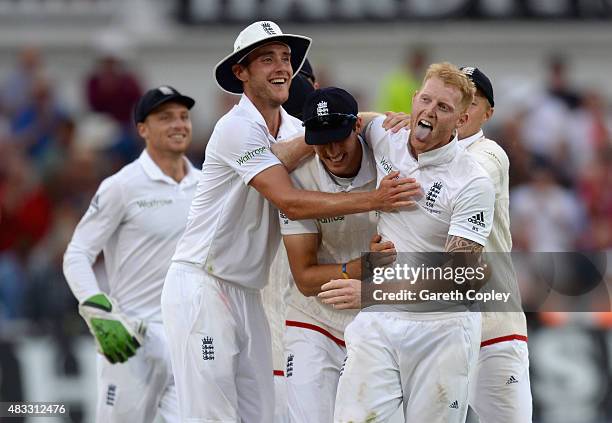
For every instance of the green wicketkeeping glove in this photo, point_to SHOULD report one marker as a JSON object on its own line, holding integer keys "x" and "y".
{"x": 117, "y": 337}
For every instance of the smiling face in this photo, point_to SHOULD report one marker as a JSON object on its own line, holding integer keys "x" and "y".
{"x": 480, "y": 111}
{"x": 167, "y": 129}
{"x": 266, "y": 74}
{"x": 436, "y": 112}
{"x": 342, "y": 158}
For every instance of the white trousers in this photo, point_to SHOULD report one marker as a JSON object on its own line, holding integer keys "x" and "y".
{"x": 421, "y": 360}
{"x": 220, "y": 347}
{"x": 501, "y": 390}
{"x": 142, "y": 387}
{"x": 314, "y": 360}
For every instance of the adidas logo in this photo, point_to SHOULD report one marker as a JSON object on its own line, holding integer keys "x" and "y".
{"x": 454, "y": 405}
{"x": 511, "y": 380}
{"x": 477, "y": 219}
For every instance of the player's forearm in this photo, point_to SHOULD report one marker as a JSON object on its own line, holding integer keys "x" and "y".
{"x": 311, "y": 278}
{"x": 312, "y": 204}
{"x": 79, "y": 274}
{"x": 292, "y": 152}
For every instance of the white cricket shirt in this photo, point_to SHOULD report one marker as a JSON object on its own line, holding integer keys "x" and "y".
{"x": 494, "y": 161}
{"x": 343, "y": 238}
{"x": 232, "y": 230}
{"x": 136, "y": 218}
{"x": 458, "y": 196}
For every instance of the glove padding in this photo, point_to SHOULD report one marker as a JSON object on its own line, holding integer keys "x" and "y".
{"x": 117, "y": 337}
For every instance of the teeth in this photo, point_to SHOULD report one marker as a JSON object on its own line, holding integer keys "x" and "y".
{"x": 278, "y": 80}
{"x": 336, "y": 159}
{"x": 425, "y": 123}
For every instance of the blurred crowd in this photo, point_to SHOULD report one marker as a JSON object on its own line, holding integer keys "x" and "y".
{"x": 558, "y": 138}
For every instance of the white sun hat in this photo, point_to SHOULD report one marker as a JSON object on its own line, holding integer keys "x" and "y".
{"x": 253, "y": 36}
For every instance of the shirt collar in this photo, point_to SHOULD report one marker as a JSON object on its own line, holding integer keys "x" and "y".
{"x": 466, "y": 142}
{"x": 286, "y": 128}
{"x": 155, "y": 173}
{"x": 365, "y": 175}
{"x": 439, "y": 155}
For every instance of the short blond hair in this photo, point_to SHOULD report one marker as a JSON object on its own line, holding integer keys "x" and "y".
{"x": 451, "y": 75}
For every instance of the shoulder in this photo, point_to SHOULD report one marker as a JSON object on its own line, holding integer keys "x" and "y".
{"x": 307, "y": 173}
{"x": 125, "y": 177}
{"x": 467, "y": 170}
{"x": 486, "y": 149}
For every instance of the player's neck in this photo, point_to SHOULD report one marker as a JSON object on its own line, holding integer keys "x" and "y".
{"x": 270, "y": 113}
{"x": 171, "y": 164}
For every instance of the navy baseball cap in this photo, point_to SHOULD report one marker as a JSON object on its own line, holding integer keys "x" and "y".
{"x": 154, "y": 98}
{"x": 299, "y": 89}
{"x": 307, "y": 71}
{"x": 481, "y": 81}
{"x": 329, "y": 115}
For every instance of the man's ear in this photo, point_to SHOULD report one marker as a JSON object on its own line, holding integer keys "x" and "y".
{"x": 142, "y": 130}
{"x": 358, "y": 124}
{"x": 463, "y": 118}
{"x": 489, "y": 114}
{"x": 240, "y": 72}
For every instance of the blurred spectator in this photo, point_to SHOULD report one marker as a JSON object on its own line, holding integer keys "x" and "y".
{"x": 17, "y": 90}
{"x": 35, "y": 124}
{"x": 589, "y": 131}
{"x": 25, "y": 208}
{"x": 113, "y": 89}
{"x": 596, "y": 195}
{"x": 544, "y": 216}
{"x": 559, "y": 84}
{"x": 398, "y": 88}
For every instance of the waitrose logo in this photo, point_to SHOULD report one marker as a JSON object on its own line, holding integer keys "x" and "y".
{"x": 384, "y": 162}
{"x": 147, "y": 204}
{"x": 331, "y": 219}
{"x": 250, "y": 154}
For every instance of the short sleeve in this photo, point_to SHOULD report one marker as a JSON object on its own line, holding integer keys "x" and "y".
{"x": 472, "y": 215}
{"x": 374, "y": 132}
{"x": 297, "y": 227}
{"x": 245, "y": 148}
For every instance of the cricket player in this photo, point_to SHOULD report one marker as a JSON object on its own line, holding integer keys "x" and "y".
{"x": 136, "y": 218}
{"x": 500, "y": 391}
{"x": 323, "y": 249}
{"x": 422, "y": 359}
{"x": 211, "y": 301}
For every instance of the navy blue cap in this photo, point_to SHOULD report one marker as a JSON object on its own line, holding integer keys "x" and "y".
{"x": 329, "y": 115}
{"x": 154, "y": 98}
{"x": 481, "y": 81}
{"x": 299, "y": 89}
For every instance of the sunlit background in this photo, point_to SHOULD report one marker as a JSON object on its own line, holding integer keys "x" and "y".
{"x": 71, "y": 71}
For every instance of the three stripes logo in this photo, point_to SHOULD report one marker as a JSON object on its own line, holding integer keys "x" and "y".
{"x": 343, "y": 365}
{"x": 454, "y": 405}
{"x": 512, "y": 380}
{"x": 110, "y": 395}
{"x": 477, "y": 219}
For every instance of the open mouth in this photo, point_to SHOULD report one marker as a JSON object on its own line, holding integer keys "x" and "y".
{"x": 336, "y": 159}
{"x": 423, "y": 129}
{"x": 278, "y": 81}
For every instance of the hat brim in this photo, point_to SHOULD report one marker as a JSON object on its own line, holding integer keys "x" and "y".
{"x": 327, "y": 135}
{"x": 227, "y": 81}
